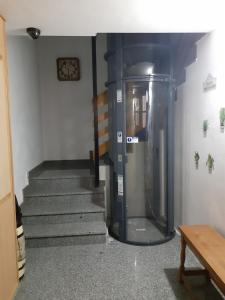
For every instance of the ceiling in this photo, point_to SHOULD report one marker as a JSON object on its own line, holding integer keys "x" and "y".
{"x": 88, "y": 17}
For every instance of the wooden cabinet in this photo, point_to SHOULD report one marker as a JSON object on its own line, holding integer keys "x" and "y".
{"x": 8, "y": 260}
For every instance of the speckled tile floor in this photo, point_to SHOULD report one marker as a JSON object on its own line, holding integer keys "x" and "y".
{"x": 143, "y": 230}
{"x": 103, "y": 271}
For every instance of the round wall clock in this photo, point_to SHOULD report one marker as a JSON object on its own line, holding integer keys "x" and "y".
{"x": 68, "y": 69}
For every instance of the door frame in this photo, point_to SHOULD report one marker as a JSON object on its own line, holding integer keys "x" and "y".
{"x": 8, "y": 241}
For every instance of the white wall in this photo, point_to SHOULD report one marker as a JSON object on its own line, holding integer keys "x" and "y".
{"x": 89, "y": 17}
{"x": 25, "y": 109}
{"x": 66, "y": 106}
{"x": 200, "y": 196}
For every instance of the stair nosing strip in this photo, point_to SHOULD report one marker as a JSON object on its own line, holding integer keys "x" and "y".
{"x": 64, "y": 213}
{"x": 67, "y": 194}
{"x": 54, "y": 178}
{"x": 65, "y": 235}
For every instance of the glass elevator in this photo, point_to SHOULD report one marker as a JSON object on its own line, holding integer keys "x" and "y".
{"x": 141, "y": 91}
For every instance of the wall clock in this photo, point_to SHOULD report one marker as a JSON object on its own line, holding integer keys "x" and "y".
{"x": 68, "y": 69}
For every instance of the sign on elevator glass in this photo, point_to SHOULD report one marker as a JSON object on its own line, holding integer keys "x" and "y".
{"x": 132, "y": 140}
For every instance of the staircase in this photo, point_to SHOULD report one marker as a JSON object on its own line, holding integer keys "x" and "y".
{"x": 62, "y": 206}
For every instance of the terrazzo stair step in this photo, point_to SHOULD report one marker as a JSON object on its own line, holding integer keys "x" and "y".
{"x": 65, "y": 183}
{"x": 67, "y": 200}
{"x": 61, "y": 211}
{"x": 33, "y": 190}
{"x": 47, "y": 173}
{"x": 68, "y": 182}
{"x": 62, "y": 206}
{"x": 70, "y": 166}
{"x": 64, "y": 218}
{"x": 46, "y": 235}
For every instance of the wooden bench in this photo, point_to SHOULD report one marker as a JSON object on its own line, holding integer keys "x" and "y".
{"x": 209, "y": 247}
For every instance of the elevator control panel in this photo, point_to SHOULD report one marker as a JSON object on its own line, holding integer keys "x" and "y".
{"x": 119, "y": 96}
{"x": 120, "y": 158}
{"x": 120, "y": 185}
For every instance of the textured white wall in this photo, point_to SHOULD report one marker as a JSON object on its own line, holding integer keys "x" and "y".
{"x": 200, "y": 196}
{"x": 66, "y": 106}
{"x": 25, "y": 109}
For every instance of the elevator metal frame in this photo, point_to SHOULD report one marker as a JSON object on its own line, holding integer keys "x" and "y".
{"x": 117, "y": 151}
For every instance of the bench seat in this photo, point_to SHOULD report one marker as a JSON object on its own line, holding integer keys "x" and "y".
{"x": 209, "y": 247}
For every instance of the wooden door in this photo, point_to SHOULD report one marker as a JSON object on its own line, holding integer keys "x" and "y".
{"x": 8, "y": 260}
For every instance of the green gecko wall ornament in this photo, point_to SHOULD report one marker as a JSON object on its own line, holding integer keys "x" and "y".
{"x": 205, "y": 127}
{"x": 222, "y": 119}
{"x": 196, "y": 158}
{"x": 210, "y": 163}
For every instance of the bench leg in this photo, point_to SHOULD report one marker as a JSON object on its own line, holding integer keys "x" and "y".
{"x": 182, "y": 259}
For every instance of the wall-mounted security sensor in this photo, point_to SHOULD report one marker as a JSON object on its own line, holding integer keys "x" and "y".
{"x": 34, "y": 33}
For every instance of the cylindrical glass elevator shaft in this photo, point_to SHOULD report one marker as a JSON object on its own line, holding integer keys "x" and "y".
{"x": 141, "y": 135}
{"x": 146, "y": 174}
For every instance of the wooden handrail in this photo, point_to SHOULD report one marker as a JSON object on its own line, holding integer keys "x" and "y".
{"x": 103, "y": 131}
{"x": 103, "y": 148}
{"x": 102, "y": 101}
{"x": 103, "y": 117}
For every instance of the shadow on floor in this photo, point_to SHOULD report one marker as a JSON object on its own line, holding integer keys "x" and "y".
{"x": 202, "y": 289}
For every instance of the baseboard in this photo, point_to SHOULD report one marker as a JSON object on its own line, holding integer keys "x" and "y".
{"x": 34, "y": 170}
{"x": 177, "y": 231}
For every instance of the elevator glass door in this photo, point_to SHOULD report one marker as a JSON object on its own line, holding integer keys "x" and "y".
{"x": 146, "y": 104}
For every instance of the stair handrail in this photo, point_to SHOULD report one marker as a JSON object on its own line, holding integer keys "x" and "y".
{"x": 101, "y": 103}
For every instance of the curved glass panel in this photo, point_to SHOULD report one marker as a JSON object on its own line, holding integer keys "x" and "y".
{"x": 146, "y": 165}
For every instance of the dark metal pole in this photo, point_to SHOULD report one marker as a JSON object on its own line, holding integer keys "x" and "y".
{"x": 95, "y": 104}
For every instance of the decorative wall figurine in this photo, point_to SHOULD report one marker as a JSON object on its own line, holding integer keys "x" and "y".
{"x": 209, "y": 83}
{"x": 196, "y": 158}
{"x": 210, "y": 163}
{"x": 205, "y": 127}
{"x": 222, "y": 119}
